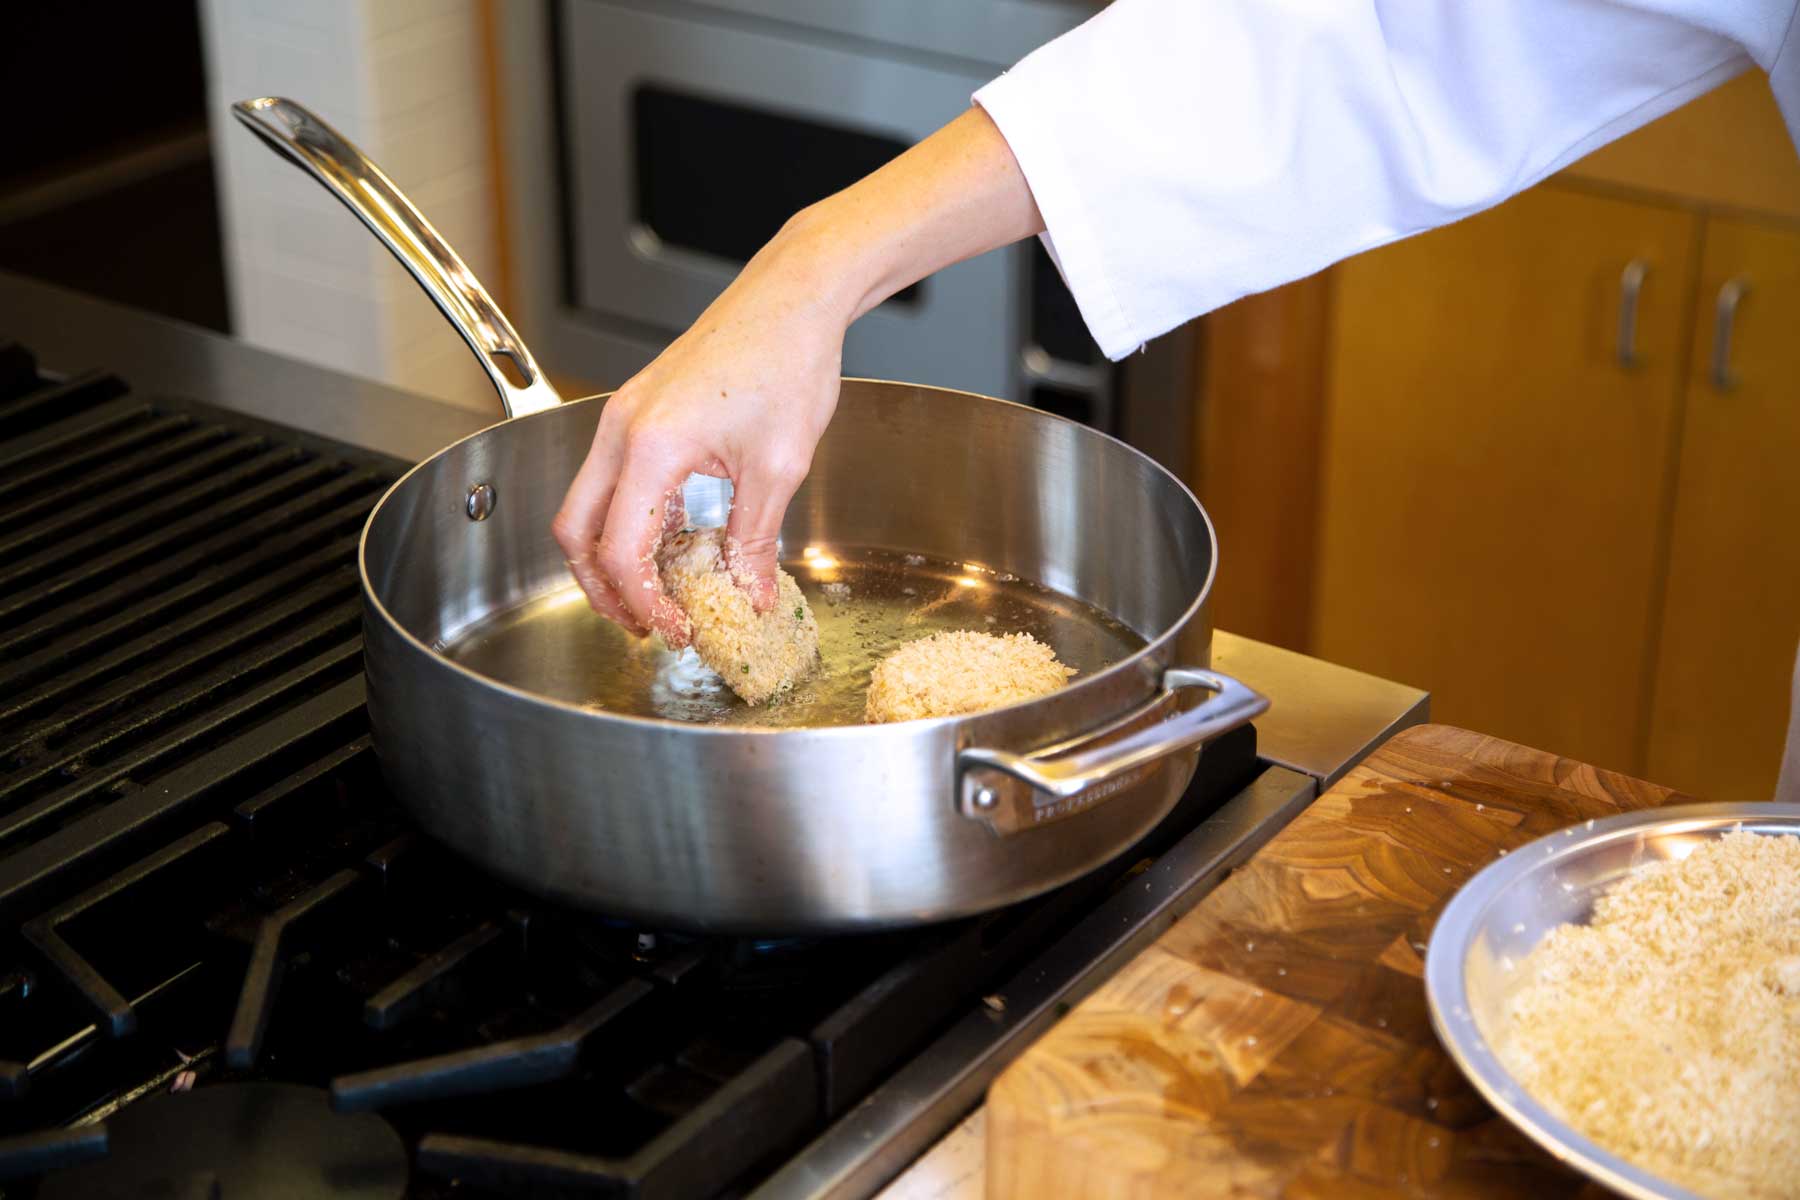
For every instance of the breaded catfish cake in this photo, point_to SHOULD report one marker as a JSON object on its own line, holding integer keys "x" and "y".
{"x": 959, "y": 672}
{"x": 760, "y": 655}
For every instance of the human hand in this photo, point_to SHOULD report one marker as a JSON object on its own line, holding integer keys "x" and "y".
{"x": 745, "y": 395}
{"x": 747, "y": 392}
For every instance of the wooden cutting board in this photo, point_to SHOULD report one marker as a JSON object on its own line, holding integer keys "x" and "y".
{"x": 1275, "y": 1041}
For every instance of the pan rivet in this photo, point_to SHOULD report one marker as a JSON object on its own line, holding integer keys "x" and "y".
{"x": 480, "y": 502}
{"x": 986, "y": 798}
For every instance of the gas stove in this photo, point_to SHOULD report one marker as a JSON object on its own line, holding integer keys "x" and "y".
{"x": 230, "y": 966}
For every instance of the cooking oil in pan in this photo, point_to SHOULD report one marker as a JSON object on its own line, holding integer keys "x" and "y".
{"x": 868, "y": 603}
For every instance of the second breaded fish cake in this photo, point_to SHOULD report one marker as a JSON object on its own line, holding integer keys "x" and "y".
{"x": 955, "y": 673}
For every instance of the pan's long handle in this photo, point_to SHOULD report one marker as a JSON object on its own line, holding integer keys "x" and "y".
{"x": 1012, "y": 792}
{"x": 299, "y": 136}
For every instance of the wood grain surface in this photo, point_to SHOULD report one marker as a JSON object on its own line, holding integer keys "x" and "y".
{"x": 1275, "y": 1042}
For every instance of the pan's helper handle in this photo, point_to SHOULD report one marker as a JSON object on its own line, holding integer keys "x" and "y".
{"x": 299, "y": 136}
{"x": 1012, "y": 792}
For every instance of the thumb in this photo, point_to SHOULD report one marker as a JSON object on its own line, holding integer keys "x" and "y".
{"x": 753, "y": 532}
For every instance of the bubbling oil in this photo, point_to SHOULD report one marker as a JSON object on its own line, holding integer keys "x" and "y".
{"x": 868, "y": 603}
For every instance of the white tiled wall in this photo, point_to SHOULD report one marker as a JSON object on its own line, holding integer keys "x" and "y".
{"x": 401, "y": 79}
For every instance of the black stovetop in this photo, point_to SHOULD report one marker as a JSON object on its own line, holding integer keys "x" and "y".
{"x": 223, "y": 944}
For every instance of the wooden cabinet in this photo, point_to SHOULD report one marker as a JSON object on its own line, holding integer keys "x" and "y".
{"x": 1431, "y": 462}
{"x": 1599, "y": 559}
{"x": 1732, "y": 615}
{"x": 1495, "y": 476}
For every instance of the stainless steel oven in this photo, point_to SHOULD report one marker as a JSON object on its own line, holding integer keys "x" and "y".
{"x": 653, "y": 146}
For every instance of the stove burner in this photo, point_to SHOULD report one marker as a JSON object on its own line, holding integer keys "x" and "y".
{"x": 272, "y": 1141}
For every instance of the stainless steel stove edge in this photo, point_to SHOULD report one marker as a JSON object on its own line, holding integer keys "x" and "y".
{"x": 70, "y": 333}
{"x": 1323, "y": 718}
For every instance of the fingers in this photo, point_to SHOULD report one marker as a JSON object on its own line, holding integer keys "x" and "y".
{"x": 649, "y": 486}
{"x": 578, "y": 524}
{"x": 603, "y": 598}
{"x": 760, "y": 499}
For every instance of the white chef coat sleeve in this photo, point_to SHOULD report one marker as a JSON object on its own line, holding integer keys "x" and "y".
{"x": 1188, "y": 152}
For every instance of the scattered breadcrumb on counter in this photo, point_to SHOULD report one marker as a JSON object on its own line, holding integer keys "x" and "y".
{"x": 1668, "y": 1028}
{"x": 959, "y": 672}
{"x": 760, "y": 655}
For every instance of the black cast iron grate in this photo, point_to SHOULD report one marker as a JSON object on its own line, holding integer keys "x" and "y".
{"x": 171, "y": 579}
{"x": 206, "y": 882}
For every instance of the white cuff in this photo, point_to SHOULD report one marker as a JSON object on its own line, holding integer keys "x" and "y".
{"x": 1075, "y": 247}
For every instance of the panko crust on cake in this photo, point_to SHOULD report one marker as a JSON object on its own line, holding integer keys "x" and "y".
{"x": 760, "y": 655}
{"x": 956, "y": 673}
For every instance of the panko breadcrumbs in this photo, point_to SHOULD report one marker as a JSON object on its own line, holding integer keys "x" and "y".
{"x": 759, "y": 655}
{"x": 1668, "y": 1028}
{"x": 958, "y": 672}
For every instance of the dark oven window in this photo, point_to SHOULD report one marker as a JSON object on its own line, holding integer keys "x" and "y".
{"x": 721, "y": 178}
{"x": 1056, "y": 324}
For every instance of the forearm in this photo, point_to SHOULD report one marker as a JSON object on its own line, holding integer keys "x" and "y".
{"x": 747, "y": 391}
{"x": 957, "y": 194}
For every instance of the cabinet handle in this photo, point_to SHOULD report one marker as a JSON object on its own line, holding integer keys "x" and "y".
{"x": 1724, "y": 317}
{"x": 1631, "y": 285}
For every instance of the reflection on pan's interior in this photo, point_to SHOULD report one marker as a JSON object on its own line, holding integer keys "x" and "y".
{"x": 868, "y": 603}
